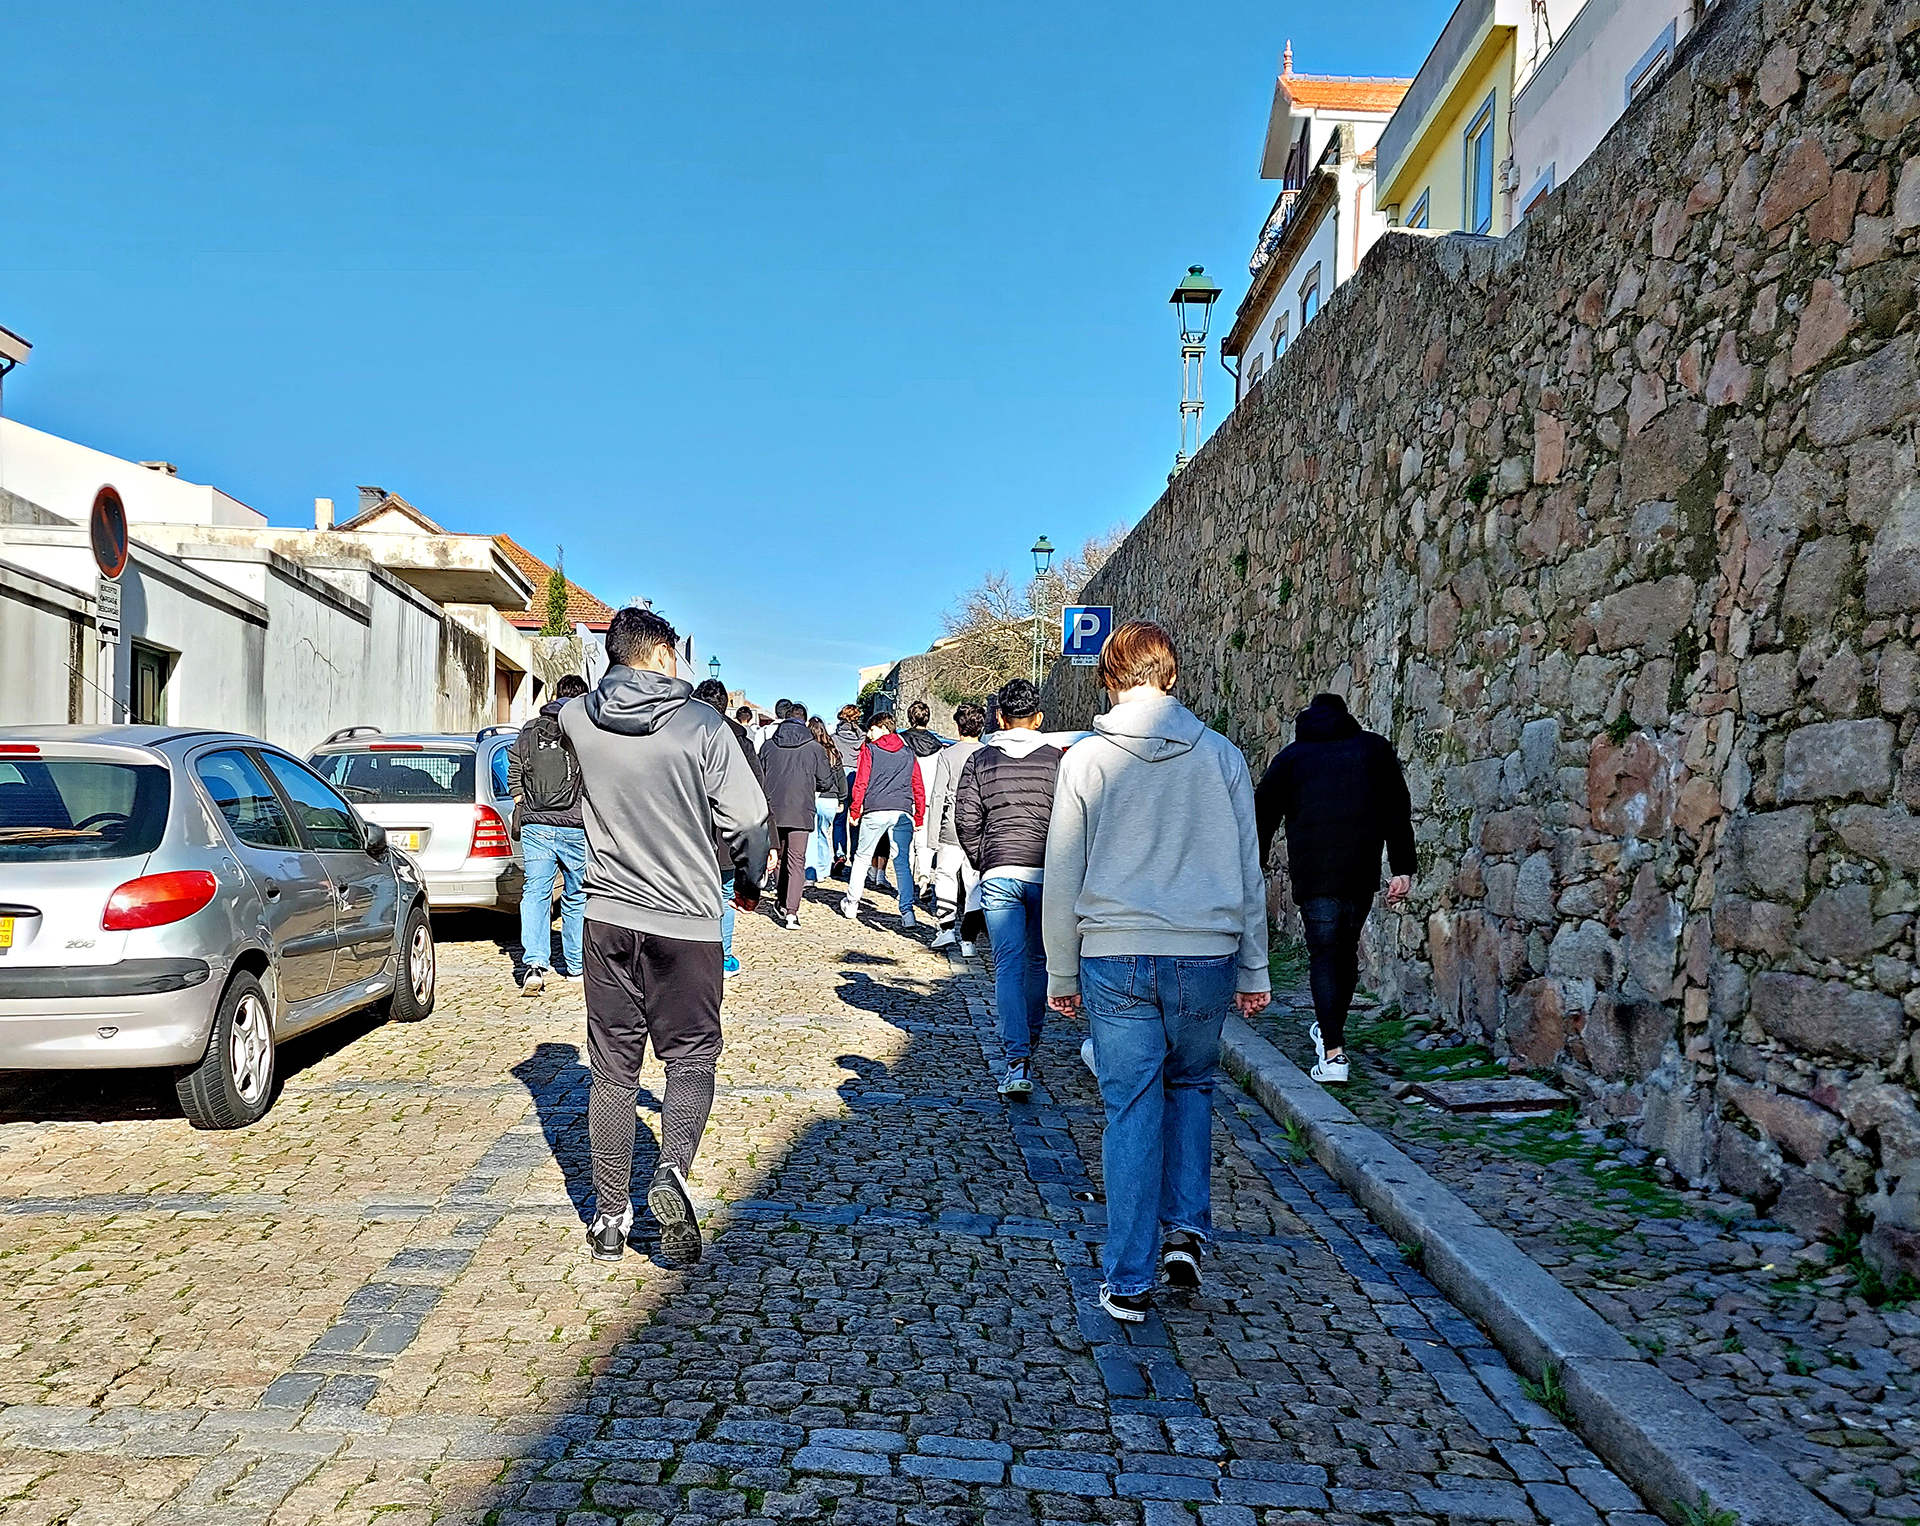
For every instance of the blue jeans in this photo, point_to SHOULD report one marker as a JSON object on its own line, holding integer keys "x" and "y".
{"x": 820, "y": 851}
{"x": 843, "y": 832}
{"x": 1156, "y": 1038}
{"x": 873, "y": 827}
{"x": 1012, "y": 910}
{"x": 550, "y": 852}
{"x": 727, "y": 914}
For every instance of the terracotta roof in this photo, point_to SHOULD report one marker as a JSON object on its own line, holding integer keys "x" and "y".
{"x": 1367, "y": 159}
{"x": 582, "y": 607}
{"x": 1328, "y": 92}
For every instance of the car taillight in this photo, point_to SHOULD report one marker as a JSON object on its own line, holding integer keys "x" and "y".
{"x": 490, "y": 838}
{"x": 154, "y": 900}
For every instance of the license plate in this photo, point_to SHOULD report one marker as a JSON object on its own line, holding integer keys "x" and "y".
{"x": 6, "y": 932}
{"x": 410, "y": 841}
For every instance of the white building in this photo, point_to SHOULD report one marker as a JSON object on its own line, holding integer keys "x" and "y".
{"x": 1607, "y": 55}
{"x": 1319, "y": 146}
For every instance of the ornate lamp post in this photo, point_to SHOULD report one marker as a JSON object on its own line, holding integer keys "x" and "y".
{"x": 1194, "y": 297}
{"x": 713, "y": 668}
{"x": 1042, "y": 562}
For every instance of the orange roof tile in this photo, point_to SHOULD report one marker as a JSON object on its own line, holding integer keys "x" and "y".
{"x": 1327, "y": 92}
{"x": 582, "y": 607}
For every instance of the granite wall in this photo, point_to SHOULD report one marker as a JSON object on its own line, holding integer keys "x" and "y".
{"x": 1612, "y": 526}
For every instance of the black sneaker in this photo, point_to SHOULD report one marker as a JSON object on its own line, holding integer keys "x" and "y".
{"x": 607, "y": 1237}
{"x": 672, "y": 1206}
{"x": 1131, "y": 1309}
{"x": 1180, "y": 1260}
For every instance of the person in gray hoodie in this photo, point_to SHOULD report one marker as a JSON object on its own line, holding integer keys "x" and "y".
{"x": 1155, "y": 921}
{"x": 661, "y": 773}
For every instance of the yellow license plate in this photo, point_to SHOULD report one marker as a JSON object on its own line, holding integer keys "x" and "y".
{"x": 6, "y": 932}
{"x": 410, "y": 841}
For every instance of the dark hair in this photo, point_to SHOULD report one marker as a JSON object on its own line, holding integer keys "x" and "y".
{"x": 970, "y": 719}
{"x": 1017, "y": 699}
{"x": 824, "y": 737}
{"x": 782, "y": 708}
{"x": 797, "y": 712}
{"x": 636, "y": 632}
{"x": 918, "y": 714}
{"x": 743, "y": 714}
{"x": 1329, "y": 701}
{"x": 881, "y": 717}
{"x": 1140, "y": 652}
{"x": 710, "y": 691}
{"x": 570, "y": 687}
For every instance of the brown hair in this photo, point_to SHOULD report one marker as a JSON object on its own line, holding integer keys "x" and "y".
{"x": 1140, "y": 652}
{"x": 849, "y": 713}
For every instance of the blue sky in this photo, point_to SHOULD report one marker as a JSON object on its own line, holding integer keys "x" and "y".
{"x": 794, "y": 319}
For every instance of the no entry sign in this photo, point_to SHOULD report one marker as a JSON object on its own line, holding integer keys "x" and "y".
{"x": 107, "y": 528}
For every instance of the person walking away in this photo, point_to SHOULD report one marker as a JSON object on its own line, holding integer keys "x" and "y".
{"x": 1340, "y": 791}
{"x": 1156, "y": 923}
{"x": 712, "y": 692}
{"x": 661, "y": 773}
{"x": 544, "y": 781}
{"x": 796, "y": 773}
{"x": 826, "y": 807}
{"x": 886, "y": 802}
{"x": 1001, "y": 810}
{"x": 953, "y": 875}
{"x": 927, "y": 747}
{"x": 848, "y": 738}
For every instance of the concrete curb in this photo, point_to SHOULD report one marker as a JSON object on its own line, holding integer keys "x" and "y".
{"x": 1648, "y": 1428}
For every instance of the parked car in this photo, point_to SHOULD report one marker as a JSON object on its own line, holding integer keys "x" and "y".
{"x": 443, "y": 799}
{"x": 190, "y": 899}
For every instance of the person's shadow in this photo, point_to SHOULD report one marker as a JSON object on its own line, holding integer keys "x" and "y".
{"x": 558, "y": 1082}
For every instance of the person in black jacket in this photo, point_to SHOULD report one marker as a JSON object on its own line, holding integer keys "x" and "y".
{"x": 713, "y": 692}
{"x": 796, "y": 770}
{"x": 1001, "y": 808}
{"x": 926, "y": 747}
{"x": 1341, "y": 793}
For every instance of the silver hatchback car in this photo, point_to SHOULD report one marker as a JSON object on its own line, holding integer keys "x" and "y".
{"x": 189, "y": 899}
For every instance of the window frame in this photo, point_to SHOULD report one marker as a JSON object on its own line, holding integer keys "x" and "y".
{"x": 1277, "y": 336}
{"x": 267, "y": 757}
{"x": 1480, "y": 126}
{"x": 1310, "y": 291}
{"x": 1540, "y": 188}
{"x": 199, "y": 762}
{"x": 1418, "y": 218}
{"x": 1650, "y": 64}
{"x": 146, "y": 654}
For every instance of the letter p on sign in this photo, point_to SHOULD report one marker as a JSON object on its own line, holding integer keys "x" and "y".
{"x": 1085, "y": 628}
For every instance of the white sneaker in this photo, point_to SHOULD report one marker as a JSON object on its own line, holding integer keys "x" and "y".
{"x": 850, "y": 909}
{"x": 535, "y": 983}
{"x": 1330, "y": 1072}
{"x": 1086, "y": 1057}
{"x": 908, "y": 919}
{"x": 966, "y": 949}
{"x": 945, "y": 938}
{"x": 792, "y": 920}
{"x": 1319, "y": 1049}
{"x": 1016, "y": 1082}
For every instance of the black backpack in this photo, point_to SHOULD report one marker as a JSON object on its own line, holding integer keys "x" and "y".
{"x": 549, "y": 776}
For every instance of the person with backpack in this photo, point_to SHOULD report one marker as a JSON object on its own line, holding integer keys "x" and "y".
{"x": 544, "y": 780}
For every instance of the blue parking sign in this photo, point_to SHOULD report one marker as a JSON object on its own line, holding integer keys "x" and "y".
{"x": 1084, "y": 632}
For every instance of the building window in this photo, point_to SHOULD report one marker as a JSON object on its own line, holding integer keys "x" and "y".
{"x": 1256, "y": 368}
{"x": 1310, "y": 296}
{"x": 147, "y": 685}
{"x": 1418, "y": 217}
{"x": 1479, "y": 148}
{"x": 1540, "y": 188}
{"x": 1647, "y": 70}
{"x": 1280, "y": 336}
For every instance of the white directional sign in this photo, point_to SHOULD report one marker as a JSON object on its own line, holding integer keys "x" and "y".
{"x": 106, "y": 610}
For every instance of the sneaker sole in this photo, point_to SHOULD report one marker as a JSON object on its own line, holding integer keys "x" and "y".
{"x": 679, "y": 1235}
{"x": 1125, "y": 1316}
{"x": 1181, "y": 1272}
{"x": 603, "y": 1255}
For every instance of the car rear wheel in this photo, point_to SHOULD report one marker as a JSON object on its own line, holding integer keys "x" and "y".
{"x": 417, "y": 975}
{"x": 233, "y": 1086}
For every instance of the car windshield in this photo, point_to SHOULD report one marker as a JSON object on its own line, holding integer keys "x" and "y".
{"x": 54, "y": 810}
{"x": 400, "y": 777}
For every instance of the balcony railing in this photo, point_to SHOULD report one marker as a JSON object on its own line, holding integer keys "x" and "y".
{"x": 1275, "y": 229}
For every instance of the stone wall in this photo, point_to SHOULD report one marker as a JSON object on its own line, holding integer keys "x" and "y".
{"x": 1612, "y": 526}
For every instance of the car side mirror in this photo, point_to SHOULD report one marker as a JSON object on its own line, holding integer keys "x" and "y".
{"x": 376, "y": 840}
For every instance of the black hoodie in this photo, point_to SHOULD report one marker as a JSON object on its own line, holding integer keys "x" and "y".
{"x": 1340, "y": 792}
{"x": 662, "y": 772}
{"x": 796, "y": 769}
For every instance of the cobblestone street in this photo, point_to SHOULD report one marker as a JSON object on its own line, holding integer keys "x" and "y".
{"x": 377, "y": 1301}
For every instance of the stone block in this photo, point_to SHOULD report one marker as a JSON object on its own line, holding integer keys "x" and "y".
{"x": 964, "y": 1446}
{"x": 1768, "y": 681}
{"x": 1810, "y": 1208}
{"x": 1537, "y": 1023}
{"x": 1533, "y": 889}
{"x": 1678, "y": 1122}
{"x": 1871, "y": 395}
{"x": 1767, "y": 852}
{"x": 959, "y": 1470}
{"x": 1646, "y": 616}
{"x": 1758, "y": 927}
{"x": 1803, "y": 1129}
{"x": 1747, "y": 1167}
{"x": 1061, "y": 1481}
{"x": 1827, "y": 1016}
{"x": 1839, "y": 924}
{"x": 1508, "y": 832}
{"x": 1832, "y": 760}
{"x": 1625, "y": 1039}
{"x": 1656, "y": 462}
{"x": 1539, "y": 743}
{"x": 1893, "y": 561}
{"x": 1818, "y": 581}
{"x": 841, "y": 1462}
{"x": 1884, "y": 1112}
{"x": 1650, "y": 936}
{"x": 1800, "y": 178}
{"x": 1632, "y": 787}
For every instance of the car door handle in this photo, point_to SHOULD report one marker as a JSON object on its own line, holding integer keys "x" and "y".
{"x": 273, "y": 891}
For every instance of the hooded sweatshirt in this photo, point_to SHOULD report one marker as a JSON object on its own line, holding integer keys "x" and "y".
{"x": 888, "y": 779}
{"x": 1152, "y": 848}
{"x": 849, "y": 739}
{"x": 1340, "y": 792}
{"x": 796, "y": 770}
{"x": 926, "y": 748}
{"x": 1003, "y": 802}
{"x": 662, "y": 771}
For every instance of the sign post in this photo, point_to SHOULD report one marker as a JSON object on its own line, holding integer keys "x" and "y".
{"x": 107, "y": 532}
{"x": 1084, "y": 632}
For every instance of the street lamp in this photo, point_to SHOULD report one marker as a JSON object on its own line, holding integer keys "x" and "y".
{"x": 1194, "y": 297}
{"x": 713, "y": 669}
{"x": 1042, "y": 563}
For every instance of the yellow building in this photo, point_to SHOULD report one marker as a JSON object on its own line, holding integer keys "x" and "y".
{"x": 1445, "y": 159}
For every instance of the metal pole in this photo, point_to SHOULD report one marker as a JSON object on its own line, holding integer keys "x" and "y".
{"x": 1193, "y": 358}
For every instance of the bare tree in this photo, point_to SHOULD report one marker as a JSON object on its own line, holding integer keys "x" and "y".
{"x": 991, "y": 628}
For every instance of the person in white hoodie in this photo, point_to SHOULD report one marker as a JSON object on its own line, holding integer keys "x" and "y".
{"x": 1155, "y": 923}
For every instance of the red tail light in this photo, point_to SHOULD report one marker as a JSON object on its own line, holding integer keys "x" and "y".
{"x": 154, "y": 900}
{"x": 490, "y": 838}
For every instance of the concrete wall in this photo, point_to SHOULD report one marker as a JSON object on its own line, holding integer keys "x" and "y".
{"x": 63, "y": 476}
{"x": 39, "y": 619}
{"x": 1611, "y": 526}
